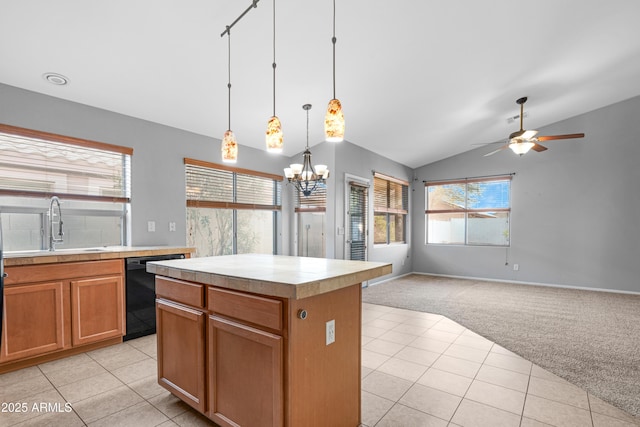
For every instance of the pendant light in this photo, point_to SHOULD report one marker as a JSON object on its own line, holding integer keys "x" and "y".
{"x": 334, "y": 119}
{"x": 229, "y": 144}
{"x": 274, "y": 127}
{"x": 304, "y": 176}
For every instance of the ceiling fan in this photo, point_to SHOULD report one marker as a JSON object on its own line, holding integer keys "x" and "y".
{"x": 524, "y": 140}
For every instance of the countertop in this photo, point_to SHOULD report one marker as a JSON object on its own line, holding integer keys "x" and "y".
{"x": 88, "y": 254}
{"x": 273, "y": 275}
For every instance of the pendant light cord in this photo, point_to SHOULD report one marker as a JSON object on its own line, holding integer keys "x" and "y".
{"x": 308, "y": 125}
{"x": 274, "y": 57}
{"x": 229, "y": 75}
{"x": 333, "y": 41}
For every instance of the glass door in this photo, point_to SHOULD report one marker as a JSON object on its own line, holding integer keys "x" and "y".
{"x": 357, "y": 222}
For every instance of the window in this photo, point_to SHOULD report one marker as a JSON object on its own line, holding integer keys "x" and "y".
{"x": 231, "y": 210}
{"x": 92, "y": 180}
{"x": 469, "y": 211}
{"x": 390, "y": 209}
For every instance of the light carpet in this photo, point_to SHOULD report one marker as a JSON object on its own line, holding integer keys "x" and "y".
{"x": 590, "y": 338}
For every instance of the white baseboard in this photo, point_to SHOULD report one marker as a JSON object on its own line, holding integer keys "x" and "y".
{"x": 519, "y": 282}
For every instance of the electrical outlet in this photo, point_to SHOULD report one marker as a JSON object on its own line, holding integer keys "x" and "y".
{"x": 172, "y": 226}
{"x": 516, "y": 267}
{"x": 151, "y": 226}
{"x": 331, "y": 331}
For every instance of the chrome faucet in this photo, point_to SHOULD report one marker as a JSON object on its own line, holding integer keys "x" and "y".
{"x": 58, "y": 239}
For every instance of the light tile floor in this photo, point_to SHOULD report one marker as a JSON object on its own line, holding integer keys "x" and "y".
{"x": 418, "y": 369}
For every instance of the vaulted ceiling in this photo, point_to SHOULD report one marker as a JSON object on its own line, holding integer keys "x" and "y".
{"x": 419, "y": 80}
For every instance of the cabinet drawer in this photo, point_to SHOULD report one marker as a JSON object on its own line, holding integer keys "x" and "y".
{"x": 62, "y": 271}
{"x": 249, "y": 308}
{"x": 177, "y": 290}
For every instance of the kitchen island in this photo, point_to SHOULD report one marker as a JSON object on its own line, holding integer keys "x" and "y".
{"x": 263, "y": 340}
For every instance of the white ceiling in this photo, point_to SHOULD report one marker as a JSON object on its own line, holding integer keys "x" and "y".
{"x": 419, "y": 80}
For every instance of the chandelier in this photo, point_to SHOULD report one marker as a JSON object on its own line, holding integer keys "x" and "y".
{"x": 304, "y": 176}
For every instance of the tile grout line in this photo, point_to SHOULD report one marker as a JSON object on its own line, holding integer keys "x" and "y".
{"x": 471, "y": 383}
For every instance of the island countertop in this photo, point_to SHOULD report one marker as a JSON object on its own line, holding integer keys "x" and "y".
{"x": 274, "y": 275}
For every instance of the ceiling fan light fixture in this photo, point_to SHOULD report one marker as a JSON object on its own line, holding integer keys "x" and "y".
{"x": 521, "y": 147}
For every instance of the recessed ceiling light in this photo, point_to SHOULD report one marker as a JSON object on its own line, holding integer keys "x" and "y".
{"x": 55, "y": 79}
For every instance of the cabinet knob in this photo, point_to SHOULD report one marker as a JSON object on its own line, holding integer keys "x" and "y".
{"x": 302, "y": 314}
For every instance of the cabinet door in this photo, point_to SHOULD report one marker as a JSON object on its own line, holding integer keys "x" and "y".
{"x": 245, "y": 375}
{"x": 181, "y": 357}
{"x": 97, "y": 309}
{"x": 34, "y": 320}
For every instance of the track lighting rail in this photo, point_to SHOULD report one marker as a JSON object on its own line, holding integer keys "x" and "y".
{"x": 254, "y": 4}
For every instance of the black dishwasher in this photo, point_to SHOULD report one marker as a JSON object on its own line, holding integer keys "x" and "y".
{"x": 141, "y": 295}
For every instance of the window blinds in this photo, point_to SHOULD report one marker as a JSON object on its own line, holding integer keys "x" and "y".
{"x": 358, "y": 227}
{"x": 315, "y": 202}
{"x": 210, "y": 185}
{"x": 40, "y": 164}
{"x": 390, "y": 195}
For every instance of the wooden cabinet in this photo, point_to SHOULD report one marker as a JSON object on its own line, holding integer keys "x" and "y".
{"x": 97, "y": 309}
{"x": 52, "y": 309}
{"x": 35, "y": 320}
{"x": 181, "y": 352}
{"x": 245, "y": 375}
{"x": 244, "y": 359}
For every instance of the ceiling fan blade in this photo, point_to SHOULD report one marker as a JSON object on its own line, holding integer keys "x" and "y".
{"x": 567, "y": 136}
{"x": 487, "y": 143}
{"x": 495, "y": 151}
{"x": 538, "y": 147}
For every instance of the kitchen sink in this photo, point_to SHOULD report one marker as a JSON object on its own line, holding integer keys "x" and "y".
{"x": 57, "y": 251}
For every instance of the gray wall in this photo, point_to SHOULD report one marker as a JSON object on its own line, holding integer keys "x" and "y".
{"x": 351, "y": 160}
{"x": 574, "y": 208}
{"x": 575, "y": 217}
{"x": 158, "y": 189}
{"x": 345, "y": 161}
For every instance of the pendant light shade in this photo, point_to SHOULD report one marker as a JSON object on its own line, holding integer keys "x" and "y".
{"x": 229, "y": 147}
{"x": 334, "y": 119}
{"x": 274, "y": 135}
{"x": 334, "y": 122}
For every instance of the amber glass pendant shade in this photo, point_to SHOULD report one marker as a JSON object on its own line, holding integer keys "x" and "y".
{"x": 334, "y": 122}
{"x": 229, "y": 148}
{"x": 274, "y": 135}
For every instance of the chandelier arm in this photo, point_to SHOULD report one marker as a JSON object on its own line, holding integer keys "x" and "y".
{"x": 254, "y": 4}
